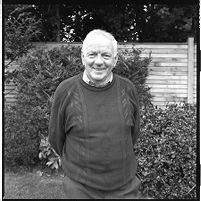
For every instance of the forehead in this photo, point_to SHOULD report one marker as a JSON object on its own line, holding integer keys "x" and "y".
{"x": 98, "y": 43}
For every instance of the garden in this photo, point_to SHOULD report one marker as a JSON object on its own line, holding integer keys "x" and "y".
{"x": 166, "y": 149}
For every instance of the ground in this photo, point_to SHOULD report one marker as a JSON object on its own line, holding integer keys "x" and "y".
{"x": 34, "y": 184}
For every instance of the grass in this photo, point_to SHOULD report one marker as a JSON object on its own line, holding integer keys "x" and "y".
{"x": 36, "y": 183}
{"x": 32, "y": 185}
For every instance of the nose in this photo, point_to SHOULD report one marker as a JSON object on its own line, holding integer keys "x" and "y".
{"x": 99, "y": 60}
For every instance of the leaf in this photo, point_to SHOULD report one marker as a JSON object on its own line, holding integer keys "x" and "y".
{"x": 49, "y": 163}
{"x": 40, "y": 155}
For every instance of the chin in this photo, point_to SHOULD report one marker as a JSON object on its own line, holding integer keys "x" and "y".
{"x": 98, "y": 76}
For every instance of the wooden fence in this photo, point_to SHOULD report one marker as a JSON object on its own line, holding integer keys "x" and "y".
{"x": 172, "y": 71}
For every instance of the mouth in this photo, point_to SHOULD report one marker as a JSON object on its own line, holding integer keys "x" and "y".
{"x": 99, "y": 69}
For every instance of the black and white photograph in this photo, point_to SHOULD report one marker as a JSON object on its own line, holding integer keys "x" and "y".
{"x": 100, "y": 100}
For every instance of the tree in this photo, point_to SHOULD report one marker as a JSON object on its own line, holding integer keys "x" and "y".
{"x": 169, "y": 23}
{"x": 129, "y": 22}
{"x": 21, "y": 28}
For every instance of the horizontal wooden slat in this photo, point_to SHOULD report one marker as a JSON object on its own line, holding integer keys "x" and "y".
{"x": 164, "y": 86}
{"x": 164, "y": 59}
{"x": 176, "y": 82}
{"x": 173, "y": 90}
{"x": 9, "y": 86}
{"x": 159, "y": 64}
{"x": 164, "y": 55}
{"x": 169, "y": 60}
{"x": 169, "y": 95}
{"x": 159, "y": 50}
{"x": 167, "y": 69}
{"x": 167, "y": 77}
{"x": 153, "y": 46}
{"x": 169, "y": 101}
{"x": 174, "y": 73}
{"x": 9, "y": 101}
{"x": 10, "y": 93}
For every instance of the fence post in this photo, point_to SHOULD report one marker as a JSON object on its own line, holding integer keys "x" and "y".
{"x": 190, "y": 69}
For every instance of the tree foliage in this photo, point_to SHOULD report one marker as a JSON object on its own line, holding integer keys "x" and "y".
{"x": 21, "y": 27}
{"x": 128, "y": 21}
{"x": 170, "y": 23}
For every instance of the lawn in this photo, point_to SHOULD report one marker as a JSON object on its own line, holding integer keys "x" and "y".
{"x": 32, "y": 185}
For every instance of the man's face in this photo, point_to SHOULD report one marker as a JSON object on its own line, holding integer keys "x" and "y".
{"x": 98, "y": 58}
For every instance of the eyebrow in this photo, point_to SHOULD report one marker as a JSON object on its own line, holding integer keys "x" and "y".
{"x": 93, "y": 51}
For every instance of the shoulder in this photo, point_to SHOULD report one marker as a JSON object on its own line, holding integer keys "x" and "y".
{"x": 67, "y": 85}
{"x": 125, "y": 82}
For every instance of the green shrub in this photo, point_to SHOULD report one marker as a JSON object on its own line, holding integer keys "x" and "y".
{"x": 48, "y": 155}
{"x": 166, "y": 152}
{"x": 21, "y": 142}
{"x": 133, "y": 67}
{"x": 39, "y": 74}
{"x": 20, "y": 27}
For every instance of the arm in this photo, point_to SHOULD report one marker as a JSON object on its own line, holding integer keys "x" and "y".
{"x": 56, "y": 124}
{"x": 136, "y": 127}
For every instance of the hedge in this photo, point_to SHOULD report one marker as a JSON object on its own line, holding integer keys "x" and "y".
{"x": 166, "y": 151}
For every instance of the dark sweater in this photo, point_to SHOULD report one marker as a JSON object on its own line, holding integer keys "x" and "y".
{"x": 94, "y": 130}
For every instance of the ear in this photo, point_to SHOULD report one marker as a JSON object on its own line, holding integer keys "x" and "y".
{"x": 82, "y": 57}
{"x": 116, "y": 59}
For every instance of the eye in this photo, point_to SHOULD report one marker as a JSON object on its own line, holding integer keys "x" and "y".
{"x": 91, "y": 55}
{"x": 106, "y": 56}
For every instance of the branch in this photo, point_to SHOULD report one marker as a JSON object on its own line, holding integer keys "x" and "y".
{"x": 191, "y": 189}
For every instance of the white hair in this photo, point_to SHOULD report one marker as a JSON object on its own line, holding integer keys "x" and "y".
{"x": 99, "y": 32}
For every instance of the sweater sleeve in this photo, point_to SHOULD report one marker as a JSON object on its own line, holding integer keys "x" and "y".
{"x": 136, "y": 115}
{"x": 56, "y": 124}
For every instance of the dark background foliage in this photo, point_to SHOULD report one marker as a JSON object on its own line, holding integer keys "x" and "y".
{"x": 127, "y": 21}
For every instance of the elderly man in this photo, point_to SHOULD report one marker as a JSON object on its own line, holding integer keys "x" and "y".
{"x": 94, "y": 125}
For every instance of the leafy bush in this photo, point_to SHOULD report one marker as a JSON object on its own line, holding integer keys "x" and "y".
{"x": 21, "y": 27}
{"x": 37, "y": 78}
{"x": 133, "y": 67}
{"x": 21, "y": 142}
{"x": 166, "y": 152}
{"x": 47, "y": 153}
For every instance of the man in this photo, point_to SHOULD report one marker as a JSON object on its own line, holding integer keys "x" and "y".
{"x": 94, "y": 125}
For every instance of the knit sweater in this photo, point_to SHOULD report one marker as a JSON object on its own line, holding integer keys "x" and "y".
{"x": 94, "y": 130}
